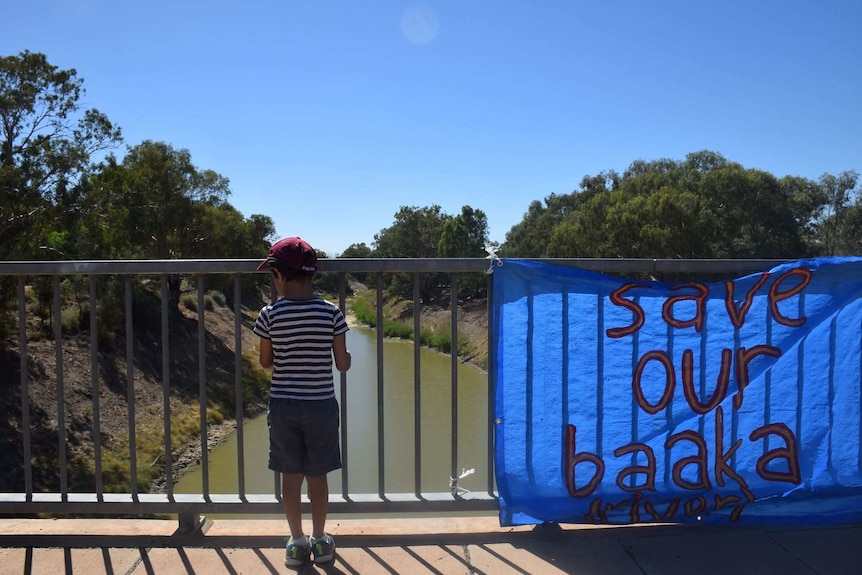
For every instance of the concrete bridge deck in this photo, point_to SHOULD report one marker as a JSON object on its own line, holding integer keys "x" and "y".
{"x": 461, "y": 545}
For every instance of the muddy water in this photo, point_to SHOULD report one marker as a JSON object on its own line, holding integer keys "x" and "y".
{"x": 361, "y": 449}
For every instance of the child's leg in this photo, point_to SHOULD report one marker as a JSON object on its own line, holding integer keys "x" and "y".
{"x": 318, "y": 492}
{"x": 291, "y": 492}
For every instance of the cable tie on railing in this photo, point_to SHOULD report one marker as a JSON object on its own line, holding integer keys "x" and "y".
{"x": 492, "y": 255}
{"x": 456, "y": 489}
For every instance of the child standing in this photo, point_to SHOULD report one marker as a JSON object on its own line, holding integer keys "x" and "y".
{"x": 299, "y": 335}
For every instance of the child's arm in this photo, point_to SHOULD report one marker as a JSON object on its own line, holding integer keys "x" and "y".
{"x": 342, "y": 354}
{"x": 266, "y": 356}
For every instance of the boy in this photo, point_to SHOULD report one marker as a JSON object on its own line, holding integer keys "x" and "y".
{"x": 299, "y": 334}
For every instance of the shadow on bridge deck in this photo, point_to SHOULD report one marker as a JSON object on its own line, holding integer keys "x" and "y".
{"x": 475, "y": 545}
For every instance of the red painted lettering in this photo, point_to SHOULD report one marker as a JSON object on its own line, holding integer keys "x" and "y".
{"x": 790, "y": 453}
{"x": 776, "y": 295}
{"x": 700, "y": 306}
{"x": 648, "y": 470}
{"x": 720, "y": 386}
{"x": 743, "y": 358}
{"x": 617, "y": 299}
{"x": 699, "y": 461}
{"x": 737, "y": 317}
{"x": 573, "y": 459}
{"x": 670, "y": 382}
{"x": 721, "y": 467}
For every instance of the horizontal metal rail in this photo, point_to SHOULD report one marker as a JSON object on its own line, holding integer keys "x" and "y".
{"x": 385, "y": 265}
{"x": 26, "y": 499}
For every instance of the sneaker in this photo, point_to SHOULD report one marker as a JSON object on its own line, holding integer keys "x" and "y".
{"x": 323, "y": 548}
{"x": 295, "y": 554}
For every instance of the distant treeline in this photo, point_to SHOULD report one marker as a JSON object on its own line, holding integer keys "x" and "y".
{"x": 56, "y": 202}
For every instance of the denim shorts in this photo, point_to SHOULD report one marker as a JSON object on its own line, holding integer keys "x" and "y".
{"x": 303, "y": 436}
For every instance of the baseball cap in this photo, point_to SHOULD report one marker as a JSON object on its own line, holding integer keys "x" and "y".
{"x": 293, "y": 254}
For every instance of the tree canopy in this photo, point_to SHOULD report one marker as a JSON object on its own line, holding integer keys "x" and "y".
{"x": 46, "y": 141}
{"x": 701, "y": 207}
{"x": 429, "y": 232}
{"x": 59, "y": 200}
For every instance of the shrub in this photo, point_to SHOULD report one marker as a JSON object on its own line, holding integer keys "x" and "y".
{"x": 255, "y": 379}
{"x": 189, "y": 301}
{"x": 393, "y": 328}
{"x": 214, "y": 415}
{"x": 364, "y": 310}
{"x": 217, "y": 297}
{"x": 70, "y": 320}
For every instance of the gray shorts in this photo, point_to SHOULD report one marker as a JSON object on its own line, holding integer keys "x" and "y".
{"x": 303, "y": 436}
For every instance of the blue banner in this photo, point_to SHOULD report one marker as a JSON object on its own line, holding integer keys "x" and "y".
{"x": 621, "y": 401}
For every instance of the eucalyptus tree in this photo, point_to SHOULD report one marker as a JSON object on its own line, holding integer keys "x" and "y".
{"x": 428, "y": 232}
{"x": 360, "y": 250}
{"x": 465, "y": 236}
{"x": 701, "y": 207}
{"x": 156, "y": 204}
{"x": 415, "y": 233}
{"x": 46, "y": 143}
{"x": 837, "y": 230}
{"x": 534, "y": 236}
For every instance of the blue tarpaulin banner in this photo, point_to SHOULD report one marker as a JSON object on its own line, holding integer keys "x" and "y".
{"x": 622, "y": 401}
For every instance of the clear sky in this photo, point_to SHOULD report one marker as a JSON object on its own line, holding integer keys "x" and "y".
{"x": 329, "y": 115}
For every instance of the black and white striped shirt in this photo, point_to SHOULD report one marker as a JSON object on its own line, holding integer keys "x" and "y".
{"x": 301, "y": 332}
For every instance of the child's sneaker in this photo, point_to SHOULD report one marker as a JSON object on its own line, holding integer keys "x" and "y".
{"x": 323, "y": 548}
{"x": 295, "y": 554}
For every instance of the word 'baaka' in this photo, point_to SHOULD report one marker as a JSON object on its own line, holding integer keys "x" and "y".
{"x": 785, "y": 286}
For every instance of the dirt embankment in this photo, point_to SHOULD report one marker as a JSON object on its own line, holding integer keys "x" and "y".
{"x": 72, "y": 379}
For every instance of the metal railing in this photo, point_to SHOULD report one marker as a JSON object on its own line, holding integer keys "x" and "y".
{"x": 28, "y": 500}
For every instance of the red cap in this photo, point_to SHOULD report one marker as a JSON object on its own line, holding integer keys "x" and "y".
{"x": 293, "y": 254}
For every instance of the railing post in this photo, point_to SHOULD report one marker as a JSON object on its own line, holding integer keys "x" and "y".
{"x": 192, "y": 524}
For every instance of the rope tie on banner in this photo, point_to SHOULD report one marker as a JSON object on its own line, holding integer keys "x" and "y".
{"x": 492, "y": 255}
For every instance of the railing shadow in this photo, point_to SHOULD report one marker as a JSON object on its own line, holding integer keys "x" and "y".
{"x": 667, "y": 548}
{"x": 235, "y": 554}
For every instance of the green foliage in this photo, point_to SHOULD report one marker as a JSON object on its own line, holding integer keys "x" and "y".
{"x": 440, "y": 338}
{"x": 423, "y": 233}
{"x": 217, "y": 297}
{"x": 357, "y": 251}
{"x": 8, "y": 301}
{"x": 150, "y": 448}
{"x": 531, "y": 237}
{"x": 70, "y": 319}
{"x": 45, "y": 149}
{"x": 701, "y": 207}
{"x": 214, "y": 416}
{"x": 397, "y": 329}
{"x": 838, "y": 232}
{"x": 329, "y": 283}
{"x": 189, "y": 301}
{"x": 255, "y": 379}
{"x": 465, "y": 236}
{"x": 365, "y": 310}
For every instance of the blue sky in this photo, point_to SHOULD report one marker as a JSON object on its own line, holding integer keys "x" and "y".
{"x": 328, "y": 115}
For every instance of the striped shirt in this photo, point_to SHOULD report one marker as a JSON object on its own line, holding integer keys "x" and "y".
{"x": 301, "y": 332}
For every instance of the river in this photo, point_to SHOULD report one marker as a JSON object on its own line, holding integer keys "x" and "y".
{"x": 362, "y": 444}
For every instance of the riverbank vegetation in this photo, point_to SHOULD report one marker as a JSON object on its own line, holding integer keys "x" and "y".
{"x": 435, "y": 325}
